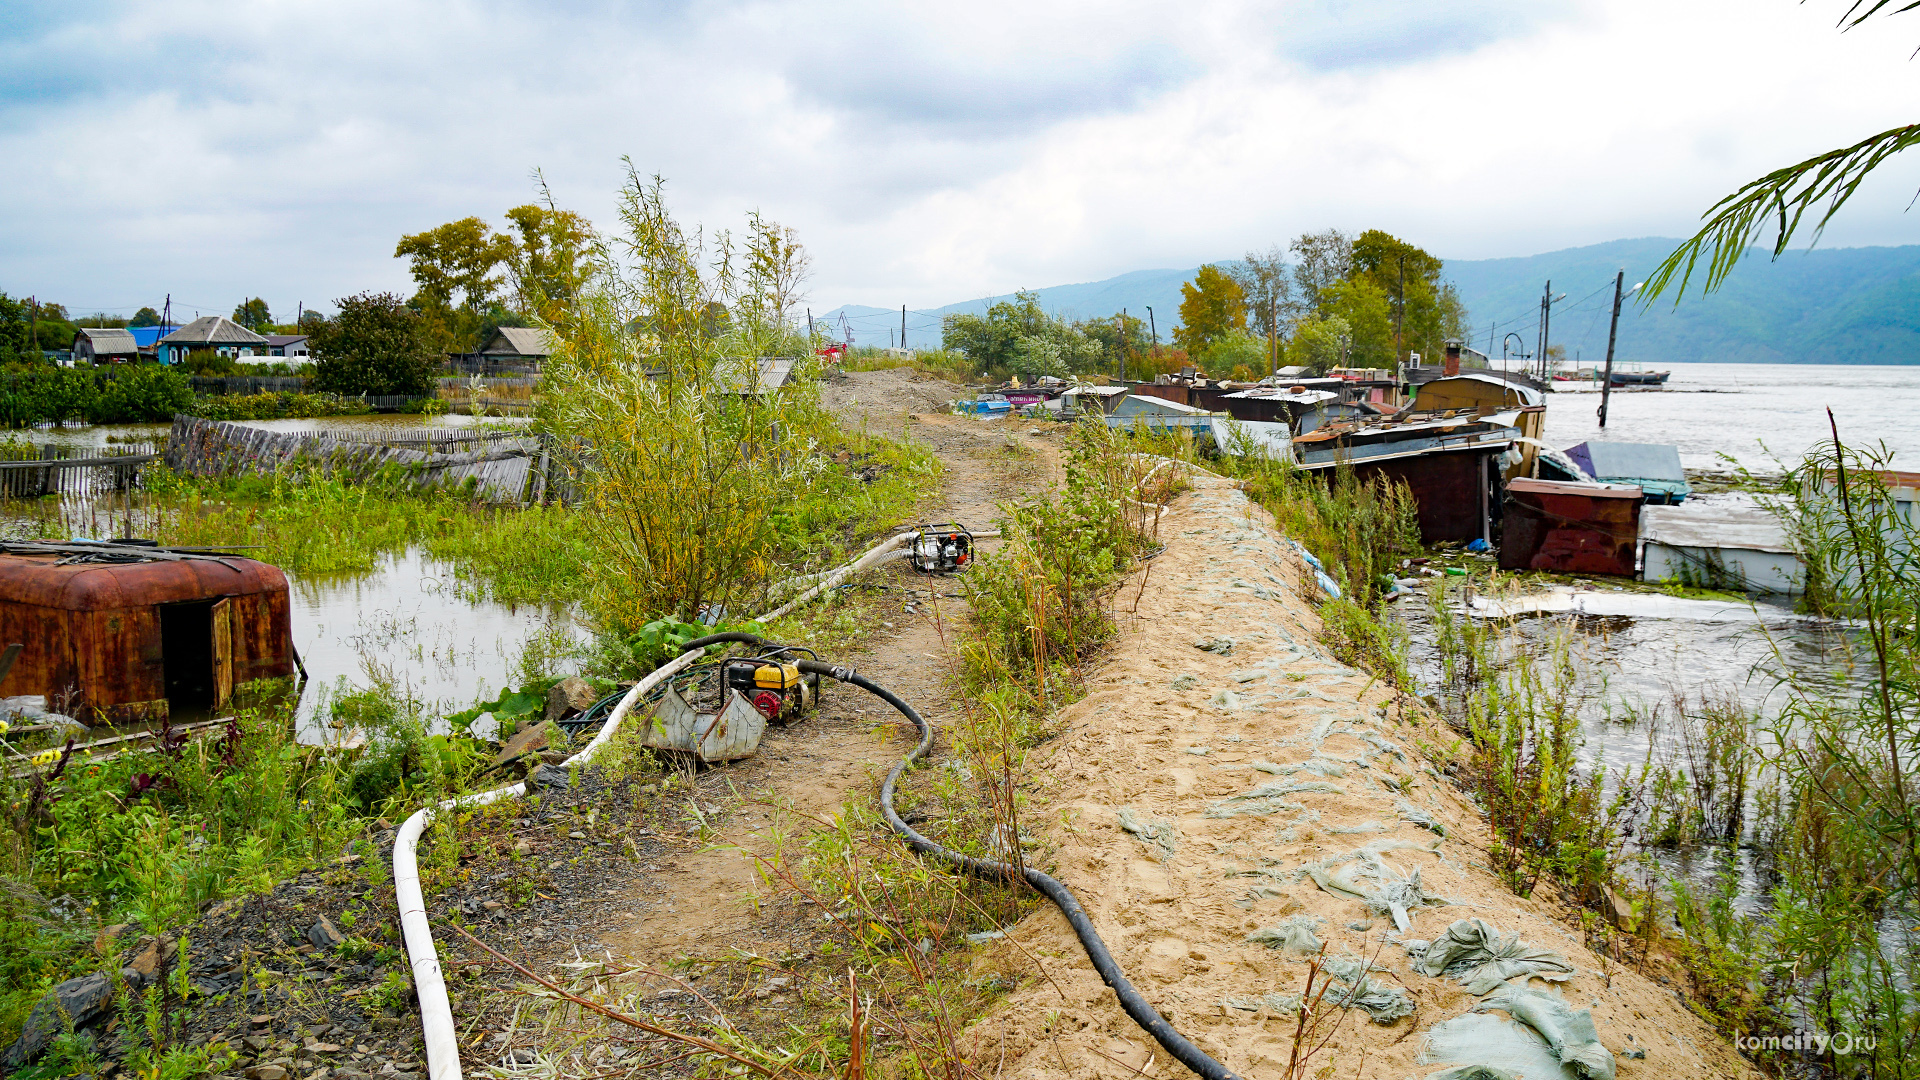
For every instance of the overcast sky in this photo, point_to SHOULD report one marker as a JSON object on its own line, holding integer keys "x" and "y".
{"x": 926, "y": 153}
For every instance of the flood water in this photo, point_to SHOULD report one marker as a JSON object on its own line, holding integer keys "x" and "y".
{"x": 1765, "y": 417}
{"x": 403, "y": 623}
{"x": 1760, "y": 414}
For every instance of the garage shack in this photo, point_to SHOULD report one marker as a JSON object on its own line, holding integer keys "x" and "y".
{"x": 125, "y": 631}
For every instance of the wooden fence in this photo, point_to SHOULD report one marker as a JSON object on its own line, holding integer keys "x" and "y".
{"x": 502, "y": 467}
{"x": 59, "y": 470}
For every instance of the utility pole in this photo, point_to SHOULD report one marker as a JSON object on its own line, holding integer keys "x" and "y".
{"x": 1123, "y": 344}
{"x": 1273, "y": 333}
{"x": 903, "y": 327}
{"x": 809, "y": 329}
{"x": 1546, "y": 321}
{"x": 33, "y": 324}
{"x": 1400, "y": 316}
{"x": 1613, "y": 329}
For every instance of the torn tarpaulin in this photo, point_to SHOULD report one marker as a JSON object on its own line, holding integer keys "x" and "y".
{"x": 1362, "y": 875}
{"x": 1159, "y": 836}
{"x": 1478, "y": 955}
{"x": 1569, "y": 1034}
{"x": 1294, "y": 934}
{"x": 1353, "y": 989}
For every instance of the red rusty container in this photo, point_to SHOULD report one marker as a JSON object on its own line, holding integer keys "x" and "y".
{"x": 1570, "y": 528}
{"x": 120, "y": 641}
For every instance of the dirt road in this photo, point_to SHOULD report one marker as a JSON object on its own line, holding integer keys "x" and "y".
{"x": 704, "y": 902}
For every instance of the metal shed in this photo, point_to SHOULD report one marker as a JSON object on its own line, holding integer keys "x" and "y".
{"x": 116, "y": 632}
{"x": 1736, "y": 548}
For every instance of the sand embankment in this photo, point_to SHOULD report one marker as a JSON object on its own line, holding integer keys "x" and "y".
{"x": 1184, "y": 737}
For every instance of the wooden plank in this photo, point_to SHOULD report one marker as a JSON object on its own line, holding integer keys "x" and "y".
{"x": 222, "y": 652}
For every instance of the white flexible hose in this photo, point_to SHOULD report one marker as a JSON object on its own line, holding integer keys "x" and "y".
{"x": 436, "y": 1012}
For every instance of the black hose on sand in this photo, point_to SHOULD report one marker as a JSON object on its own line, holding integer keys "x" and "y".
{"x": 1136, "y": 1006}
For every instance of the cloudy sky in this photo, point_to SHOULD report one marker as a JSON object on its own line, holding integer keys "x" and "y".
{"x": 926, "y": 153}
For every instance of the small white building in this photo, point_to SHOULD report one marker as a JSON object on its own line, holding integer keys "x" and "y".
{"x": 1735, "y": 548}
{"x": 289, "y": 345}
{"x": 214, "y": 332}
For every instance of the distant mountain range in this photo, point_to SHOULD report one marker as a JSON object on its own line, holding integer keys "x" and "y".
{"x": 1825, "y": 306}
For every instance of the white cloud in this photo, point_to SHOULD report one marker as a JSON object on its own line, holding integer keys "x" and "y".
{"x": 218, "y": 150}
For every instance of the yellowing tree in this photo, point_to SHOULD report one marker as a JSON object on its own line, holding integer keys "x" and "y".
{"x": 1212, "y": 305}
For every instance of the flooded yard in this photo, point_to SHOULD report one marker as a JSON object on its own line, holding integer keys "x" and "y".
{"x": 408, "y": 622}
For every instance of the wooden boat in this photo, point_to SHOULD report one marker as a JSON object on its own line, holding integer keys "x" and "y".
{"x": 1640, "y": 378}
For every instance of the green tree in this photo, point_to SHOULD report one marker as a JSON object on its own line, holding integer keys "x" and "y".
{"x": 253, "y": 314}
{"x": 146, "y": 316}
{"x": 1211, "y": 305}
{"x": 1019, "y": 336}
{"x": 1320, "y": 344}
{"x": 1112, "y": 335}
{"x": 375, "y": 345}
{"x": 1267, "y": 282}
{"x": 548, "y": 266}
{"x": 1369, "y": 316}
{"x": 1427, "y": 310}
{"x": 1320, "y": 260}
{"x": 458, "y": 270}
{"x": 1236, "y": 354}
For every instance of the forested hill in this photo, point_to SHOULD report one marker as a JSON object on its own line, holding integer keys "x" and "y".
{"x": 1825, "y": 306}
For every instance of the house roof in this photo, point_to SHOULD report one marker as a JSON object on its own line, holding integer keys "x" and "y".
{"x": 1725, "y": 527}
{"x": 109, "y": 342}
{"x": 519, "y": 341}
{"x": 281, "y": 341}
{"x": 213, "y": 330}
{"x": 1527, "y": 395}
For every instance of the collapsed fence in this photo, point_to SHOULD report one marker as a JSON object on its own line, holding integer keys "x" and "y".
{"x": 39, "y": 471}
{"x": 505, "y": 467}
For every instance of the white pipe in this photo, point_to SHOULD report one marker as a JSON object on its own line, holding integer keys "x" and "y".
{"x": 436, "y": 1012}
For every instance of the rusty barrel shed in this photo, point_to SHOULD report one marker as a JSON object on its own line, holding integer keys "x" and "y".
{"x": 121, "y": 632}
{"x": 1570, "y": 528}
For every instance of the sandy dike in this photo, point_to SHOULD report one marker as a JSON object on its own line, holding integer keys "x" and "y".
{"x": 1179, "y": 925}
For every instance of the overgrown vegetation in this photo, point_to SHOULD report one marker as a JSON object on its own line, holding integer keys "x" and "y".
{"x": 41, "y": 393}
{"x": 704, "y": 487}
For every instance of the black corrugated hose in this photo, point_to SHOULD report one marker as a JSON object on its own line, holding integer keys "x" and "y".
{"x": 1136, "y": 1006}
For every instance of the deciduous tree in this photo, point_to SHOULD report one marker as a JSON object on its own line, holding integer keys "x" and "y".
{"x": 1211, "y": 305}
{"x": 252, "y": 314}
{"x": 373, "y": 346}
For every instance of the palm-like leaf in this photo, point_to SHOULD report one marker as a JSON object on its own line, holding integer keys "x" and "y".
{"x": 1782, "y": 198}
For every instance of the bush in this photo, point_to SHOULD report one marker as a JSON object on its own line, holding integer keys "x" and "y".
{"x": 374, "y": 346}
{"x": 279, "y": 405}
{"x": 44, "y": 394}
{"x": 205, "y": 362}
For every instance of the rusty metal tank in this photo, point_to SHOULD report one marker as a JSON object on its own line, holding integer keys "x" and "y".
{"x": 121, "y": 632}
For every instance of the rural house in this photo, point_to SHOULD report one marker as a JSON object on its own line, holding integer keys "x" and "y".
{"x": 99, "y": 345}
{"x": 222, "y": 335}
{"x": 287, "y": 345}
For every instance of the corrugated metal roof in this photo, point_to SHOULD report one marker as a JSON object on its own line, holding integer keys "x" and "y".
{"x": 519, "y": 341}
{"x": 1629, "y": 461}
{"x": 1153, "y": 406}
{"x": 109, "y": 342}
{"x": 1527, "y": 395}
{"x": 735, "y": 375}
{"x": 213, "y": 330}
{"x": 1724, "y": 527}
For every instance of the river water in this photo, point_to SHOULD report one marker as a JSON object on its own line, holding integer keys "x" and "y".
{"x": 1633, "y": 669}
{"x": 1762, "y": 415}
